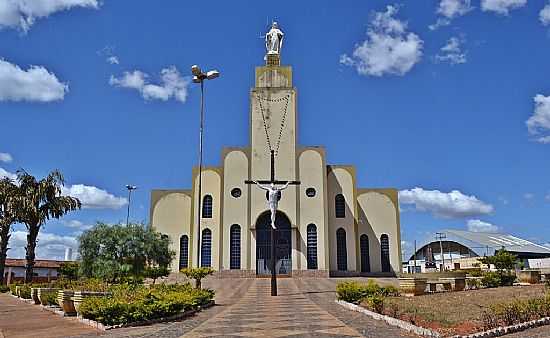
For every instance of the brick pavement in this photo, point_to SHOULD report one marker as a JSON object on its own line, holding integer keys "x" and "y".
{"x": 22, "y": 320}
{"x": 304, "y": 308}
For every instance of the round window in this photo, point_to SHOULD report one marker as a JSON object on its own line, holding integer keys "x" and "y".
{"x": 278, "y": 195}
{"x": 310, "y": 192}
{"x": 236, "y": 192}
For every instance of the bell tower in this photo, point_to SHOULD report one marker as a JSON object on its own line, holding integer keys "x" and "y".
{"x": 273, "y": 126}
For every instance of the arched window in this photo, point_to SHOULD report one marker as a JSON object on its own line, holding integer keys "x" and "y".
{"x": 312, "y": 247}
{"x": 364, "y": 248}
{"x": 235, "y": 247}
{"x": 385, "y": 253}
{"x": 341, "y": 250}
{"x": 207, "y": 206}
{"x": 184, "y": 251}
{"x": 206, "y": 248}
{"x": 340, "y": 206}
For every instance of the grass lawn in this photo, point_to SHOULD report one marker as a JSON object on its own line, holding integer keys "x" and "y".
{"x": 455, "y": 312}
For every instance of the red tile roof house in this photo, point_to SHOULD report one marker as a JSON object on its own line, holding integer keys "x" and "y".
{"x": 44, "y": 270}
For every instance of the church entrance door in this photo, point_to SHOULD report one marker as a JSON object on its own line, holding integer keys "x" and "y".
{"x": 283, "y": 244}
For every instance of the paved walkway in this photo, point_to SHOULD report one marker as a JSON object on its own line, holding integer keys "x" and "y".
{"x": 304, "y": 308}
{"x": 22, "y": 320}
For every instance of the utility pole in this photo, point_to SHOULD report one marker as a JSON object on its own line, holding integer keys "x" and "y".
{"x": 439, "y": 236}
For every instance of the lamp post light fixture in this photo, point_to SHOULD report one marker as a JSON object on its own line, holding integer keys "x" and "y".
{"x": 130, "y": 189}
{"x": 198, "y": 77}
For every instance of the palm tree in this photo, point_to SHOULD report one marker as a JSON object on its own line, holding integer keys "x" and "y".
{"x": 41, "y": 200}
{"x": 8, "y": 197}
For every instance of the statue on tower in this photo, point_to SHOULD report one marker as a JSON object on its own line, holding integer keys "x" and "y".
{"x": 274, "y": 39}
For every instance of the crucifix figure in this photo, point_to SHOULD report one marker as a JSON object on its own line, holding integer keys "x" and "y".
{"x": 273, "y": 198}
{"x": 273, "y": 201}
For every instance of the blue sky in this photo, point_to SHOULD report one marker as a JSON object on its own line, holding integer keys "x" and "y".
{"x": 434, "y": 97}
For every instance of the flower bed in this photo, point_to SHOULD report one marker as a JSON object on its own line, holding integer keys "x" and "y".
{"x": 136, "y": 303}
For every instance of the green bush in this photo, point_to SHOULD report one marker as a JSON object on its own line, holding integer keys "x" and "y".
{"x": 491, "y": 280}
{"x": 4, "y": 288}
{"x": 475, "y": 272}
{"x": 373, "y": 294}
{"x": 352, "y": 292}
{"x": 133, "y": 303}
{"x": 25, "y": 291}
{"x": 473, "y": 283}
{"x": 494, "y": 279}
{"x": 50, "y": 297}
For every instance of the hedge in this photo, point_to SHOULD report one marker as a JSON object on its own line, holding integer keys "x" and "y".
{"x": 134, "y": 303}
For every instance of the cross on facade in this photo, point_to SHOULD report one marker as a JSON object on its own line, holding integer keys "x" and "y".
{"x": 273, "y": 192}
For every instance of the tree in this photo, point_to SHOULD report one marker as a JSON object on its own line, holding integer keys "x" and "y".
{"x": 69, "y": 270}
{"x": 8, "y": 209}
{"x": 197, "y": 274}
{"x": 504, "y": 262}
{"x": 41, "y": 200}
{"x": 114, "y": 252}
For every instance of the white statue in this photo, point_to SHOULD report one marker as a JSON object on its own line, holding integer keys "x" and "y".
{"x": 273, "y": 198}
{"x": 274, "y": 39}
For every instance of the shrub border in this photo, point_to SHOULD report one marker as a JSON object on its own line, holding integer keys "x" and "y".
{"x": 496, "y": 332}
{"x": 102, "y": 327}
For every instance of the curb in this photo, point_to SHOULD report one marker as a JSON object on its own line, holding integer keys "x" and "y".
{"x": 390, "y": 320}
{"x": 503, "y": 330}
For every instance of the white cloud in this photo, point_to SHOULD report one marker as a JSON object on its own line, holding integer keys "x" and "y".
{"x": 49, "y": 246}
{"x": 544, "y": 15}
{"x": 113, "y": 60}
{"x": 94, "y": 198}
{"x": 547, "y": 197}
{"x": 388, "y": 49}
{"x": 173, "y": 85}
{"x": 501, "y": 6}
{"x": 452, "y": 52}
{"x": 23, "y": 13}
{"x": 75, "y": 224}
{"x": 539, "y": 122}
{"x": 528, "y": 196}
{"x": 453, "y": 204}
{"x": 476, "y": 225}
{"x": 449, "y": 9}
{"x": 35, "y": 84}
{"x": 5, "y": 173}
{"x": 5, "y": 157}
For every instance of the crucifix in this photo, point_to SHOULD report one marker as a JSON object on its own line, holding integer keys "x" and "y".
{"x": 273, "y": 198}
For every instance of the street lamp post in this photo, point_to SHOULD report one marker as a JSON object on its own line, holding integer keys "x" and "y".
{"x": 130, "y": 189}
{"x": 199, "y": 77}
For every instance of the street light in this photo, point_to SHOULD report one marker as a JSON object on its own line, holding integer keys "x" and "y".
{"x": 130, "y": 189}
{"x": 198, "y": 77}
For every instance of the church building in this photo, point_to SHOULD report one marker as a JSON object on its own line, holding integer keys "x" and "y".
{"x": 325, "y": 224}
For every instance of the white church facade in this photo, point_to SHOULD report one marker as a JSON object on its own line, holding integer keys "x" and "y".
{"x": 326, "y": 225}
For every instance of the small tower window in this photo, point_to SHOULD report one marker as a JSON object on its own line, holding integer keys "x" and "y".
{"x": 207, "y": 206}
{"x": 235, "y": 247}
{"x": 310, "y": 192}
{"x": 340, "y": 206}
{"x": 312, "y": 247}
